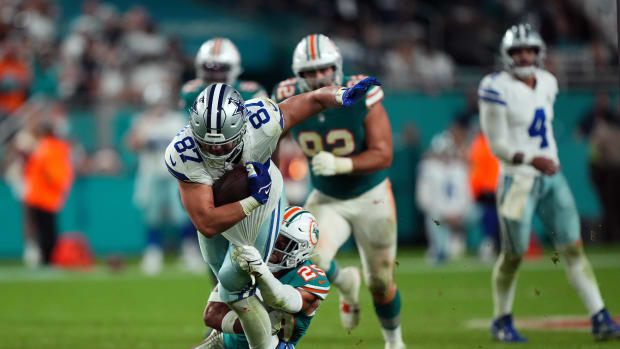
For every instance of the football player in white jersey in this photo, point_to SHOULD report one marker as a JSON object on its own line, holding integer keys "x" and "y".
{"x": 224, "y": 130}
{"x": 516, "y": 114}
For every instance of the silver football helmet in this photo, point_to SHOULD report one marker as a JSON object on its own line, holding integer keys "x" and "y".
{"x": 299, "y": 234}
{"x": 218, "y": 60}
{"x": 217, "y": 120}
{"x": 314, "y": 52}
{"x": 521, "y": 36}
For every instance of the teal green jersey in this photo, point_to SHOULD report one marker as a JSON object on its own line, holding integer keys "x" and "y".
{"x": 307, "y": 277}
{"x": 192, "y": 88}
{"x": 339, "y": 131}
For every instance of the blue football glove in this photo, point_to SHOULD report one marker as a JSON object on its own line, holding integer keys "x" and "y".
{"x": 259, "y": 181}
{"x": 353, "y": 94}
{"x": 285, "y": 345}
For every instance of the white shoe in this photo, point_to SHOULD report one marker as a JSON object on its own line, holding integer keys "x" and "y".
{"x": 397, "y": 345}
{"x": 349, "y": 280}
{"x": 214, "y": 341}
{"x": 152, "y": 260}
{"x": 32, "y": 255}
{"x": 192, "y": 258}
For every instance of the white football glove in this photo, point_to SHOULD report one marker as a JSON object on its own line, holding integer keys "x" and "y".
{"x": 250, "y": 260}
{"x": 327, "y": 164}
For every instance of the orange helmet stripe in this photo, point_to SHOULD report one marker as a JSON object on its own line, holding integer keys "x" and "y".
{"x": 217, "y": 46}
{"x": 290, "y": 212}
{"x": 312, "y": 46}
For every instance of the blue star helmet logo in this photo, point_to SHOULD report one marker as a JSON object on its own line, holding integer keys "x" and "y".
{"x": 240, "y": 107}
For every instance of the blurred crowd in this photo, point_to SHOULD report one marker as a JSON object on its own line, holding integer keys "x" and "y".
{"x": 105, "y": 58}
{"x": 421, "y": 43}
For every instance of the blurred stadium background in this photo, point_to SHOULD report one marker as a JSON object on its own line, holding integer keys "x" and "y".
{"x": 79, "y": 68}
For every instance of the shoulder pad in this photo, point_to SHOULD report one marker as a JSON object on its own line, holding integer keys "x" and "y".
{"x": 191, "y": 86}
{"x": 491, "y": 89}
{"x": 314, "y": 280}
{"x": 249, "y": 86}
{"x": 285, "y": 89}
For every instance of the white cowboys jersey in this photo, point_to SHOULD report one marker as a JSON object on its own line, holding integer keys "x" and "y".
{"x": 529, "y": 116}
{"x": 263, "y": 129}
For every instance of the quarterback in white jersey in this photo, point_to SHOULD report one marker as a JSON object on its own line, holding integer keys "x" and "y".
{"x": 516, "y": 114}
{"x": 224, "y": 130}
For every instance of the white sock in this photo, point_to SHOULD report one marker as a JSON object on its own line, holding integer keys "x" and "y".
{"x": 581, "y": 276}
{"x": 392, "y": 336}
{"x": 344, "y": 282}
{"x": 504, "y": 284}
{"x": 255, "y": 322}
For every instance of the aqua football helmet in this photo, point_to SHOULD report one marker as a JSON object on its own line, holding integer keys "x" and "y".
{"x": 317, "y": 51}
{"x": 218, "y": 60}
{"x": 299, "y": 234}
{"x": 217, "y": 120}
{"x": 522, "y": 36}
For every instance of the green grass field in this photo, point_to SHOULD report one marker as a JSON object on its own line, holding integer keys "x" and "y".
{"x": 100, "y": 309}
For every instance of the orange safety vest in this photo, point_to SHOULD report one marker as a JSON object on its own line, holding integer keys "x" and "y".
{"x": 483, "y": 167}
{"x": 49, "y": 175}
{"x": 10, "y": 101}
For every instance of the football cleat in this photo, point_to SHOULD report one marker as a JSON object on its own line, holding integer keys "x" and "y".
{"x": 502, "y": 330}
{"x": 604, "y": 327}
{"x": 152, "y": 261}
{"x": 214, "y": 341}
{"x": 349, "y": 297}
{"x": 396, "y": 345}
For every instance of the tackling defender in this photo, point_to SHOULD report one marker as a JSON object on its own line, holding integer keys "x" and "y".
{"x": 218, "y": 60}
{"x": 516, "y": 114}
{"x": 289, "y": 284}
{"x": 350, "y": 151}
{"x": 224, "y": 130}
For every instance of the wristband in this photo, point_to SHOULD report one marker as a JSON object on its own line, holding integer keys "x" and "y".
{"x": 249, "y": 204}
{"x": 339, "y": 94}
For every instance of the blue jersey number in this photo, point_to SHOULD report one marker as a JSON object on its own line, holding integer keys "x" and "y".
{"x": 538, "y": 128}
{"x": 260, "y": 117}
{"x": 187, "y": 143}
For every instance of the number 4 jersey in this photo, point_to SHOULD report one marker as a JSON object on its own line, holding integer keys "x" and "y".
{"x": 529, "y": 115}
{"x": 339, "y": 131}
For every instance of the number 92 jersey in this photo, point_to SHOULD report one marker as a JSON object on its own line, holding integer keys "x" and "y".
{"x": 528, "y": 112}
{"x": 263, "y": 129}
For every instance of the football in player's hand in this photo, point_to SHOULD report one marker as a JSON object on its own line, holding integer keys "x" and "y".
{"x": 231, "y": 187}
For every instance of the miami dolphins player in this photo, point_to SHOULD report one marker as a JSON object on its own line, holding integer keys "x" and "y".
{"x": 218, "y": 60}
{"x": 290, "y": 285}
{"x": 516, "y": 113}
{"x": 225, "y": 130}
{"x": 350, "y": 151}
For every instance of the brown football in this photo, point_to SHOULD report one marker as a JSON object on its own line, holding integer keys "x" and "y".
{"x": 231, "y": 187}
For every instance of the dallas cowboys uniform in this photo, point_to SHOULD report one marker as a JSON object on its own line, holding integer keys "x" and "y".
{"x": 264, "y": 126}
{"x": 527, "y": 128}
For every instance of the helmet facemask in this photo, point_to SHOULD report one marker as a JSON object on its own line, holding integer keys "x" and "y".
{"x": 319, "y": 77}
{"x": 212, "y": 72}
{"x": 221, "y": 151}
